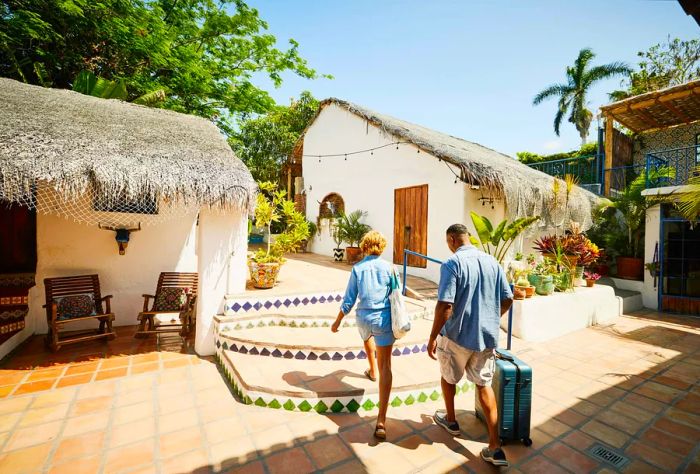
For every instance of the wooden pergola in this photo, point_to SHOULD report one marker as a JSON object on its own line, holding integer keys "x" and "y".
{"x": 658, "y": 110}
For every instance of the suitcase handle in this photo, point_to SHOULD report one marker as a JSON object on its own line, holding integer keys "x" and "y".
{"x": 504, "y": 356}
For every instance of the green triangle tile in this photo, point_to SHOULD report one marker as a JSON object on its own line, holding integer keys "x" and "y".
{"x": 225, "y": 346}
{"x": 368, "y": 405}
{"x": 435, "y": 395}
{"x": 314, "y": 324}
{"x": 260, "y": 402}
{"x": 353, "y": 406}
{"x": 250, "y": 326}
{"x": 396, "y": 402}
{"x": 326, "y": 324}
{"x": 410, "y": 400}
{"x": 283, "y": 323}
{"x": 337, "y": 407}
{"x": 293, "y": 324}
{"x": 422, "y": 397}
{"x": 247, "y": 400}
{"x": 289, "y": 405}
{"x": 261, "y": 324}
{"x": 238, "y": 326}
{"x": 305, "y": 406}
{"x": 321, "y": 407}
{"x": 274, "y": 404}
{"x": 303, "y": 325}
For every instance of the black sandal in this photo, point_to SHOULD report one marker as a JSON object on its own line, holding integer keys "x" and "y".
{"x": 373, "y": 379}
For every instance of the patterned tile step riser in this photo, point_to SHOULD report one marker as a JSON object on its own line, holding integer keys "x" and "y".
{"x": 330, "y": 405}
{"x": 227, "y": 323}
{"x": 301, "y": 353}
{"x": 250, "y": 305}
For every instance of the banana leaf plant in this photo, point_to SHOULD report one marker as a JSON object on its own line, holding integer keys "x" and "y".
{"x": 496, "y": 241}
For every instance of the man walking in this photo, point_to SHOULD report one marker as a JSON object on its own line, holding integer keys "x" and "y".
{"x": 472, "y": 296}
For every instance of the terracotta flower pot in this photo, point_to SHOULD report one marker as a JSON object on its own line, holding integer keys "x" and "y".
{"x": 529, "y": 291}
{"x": 353, "y": 254}
{"x": 630, "y": 268}
{"x": 590, "y": 282}
{"x": 603, "y": 269}
{"x": 519, "y": 292}
{"x": 263, "y": 275}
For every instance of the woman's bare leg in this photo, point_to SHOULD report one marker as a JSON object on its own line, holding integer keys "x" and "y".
{"x": 371, "y": 351}
{"x": 385, "y": 381}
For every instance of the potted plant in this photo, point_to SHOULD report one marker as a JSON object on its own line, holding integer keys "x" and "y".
{"x": 313, "y": 229}
{"x": 545, "y": 279}
{"x": 591, "y": 278}
{"x": 496, "y": 241}
{"x": 272, "y": 206}
{"x": 338, "y": 238}
{"x": 352, "y": 231}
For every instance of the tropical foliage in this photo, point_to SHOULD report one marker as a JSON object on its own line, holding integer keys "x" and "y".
{"x": 584, "y": 152}
{"x": 663, "y": 65}
{"x": 572, "y": 94}
{"x": 689, "y": 201}
{"x": 204, "y": 55}
{"x": 271, "y": 207}
{"x": 351, "y": 229}
{"x": 264, "y": 142}
{"x": 496, "y": 241}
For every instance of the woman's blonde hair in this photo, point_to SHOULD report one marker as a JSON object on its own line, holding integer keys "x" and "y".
{"x": 373, "y": 243}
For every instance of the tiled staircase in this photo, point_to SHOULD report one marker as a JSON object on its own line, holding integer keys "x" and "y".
{"x": 279, "y": 352}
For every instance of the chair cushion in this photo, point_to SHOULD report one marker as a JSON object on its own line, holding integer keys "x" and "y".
{"x": 75, "y": 306}
{"x": 170, "y": 299}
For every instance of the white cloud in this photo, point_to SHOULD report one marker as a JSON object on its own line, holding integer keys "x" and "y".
{"x": 552, "y": 145}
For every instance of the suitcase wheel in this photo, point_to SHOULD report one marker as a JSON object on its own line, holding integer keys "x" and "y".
{"x": 527, "y": 442}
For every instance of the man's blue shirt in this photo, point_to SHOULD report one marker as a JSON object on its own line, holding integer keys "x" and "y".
{"x": 474, "y": 283}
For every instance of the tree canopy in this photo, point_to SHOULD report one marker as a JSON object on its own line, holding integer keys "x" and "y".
{"x": 571, "y": 95}
{"x": 663, "y": 65}
{"x": 264, "y": 142}
{"x": 200, "y": 56}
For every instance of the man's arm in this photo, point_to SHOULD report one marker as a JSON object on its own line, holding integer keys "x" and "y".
{"x": 505, "y": 305}
{"x": 442, "y": 314}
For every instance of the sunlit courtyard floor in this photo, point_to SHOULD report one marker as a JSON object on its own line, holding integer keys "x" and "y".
{"x": 148, "y": 406}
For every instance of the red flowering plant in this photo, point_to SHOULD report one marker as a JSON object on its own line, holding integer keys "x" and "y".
{"x": 591, "y": 276}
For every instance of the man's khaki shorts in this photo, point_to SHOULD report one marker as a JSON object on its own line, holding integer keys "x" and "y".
{"x": 455, "y": 360}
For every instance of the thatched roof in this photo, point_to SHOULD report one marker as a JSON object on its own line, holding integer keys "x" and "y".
{"x": 676, "y": 105}
{"x": 77, "y": 144}
{"x": 526, "y": 190}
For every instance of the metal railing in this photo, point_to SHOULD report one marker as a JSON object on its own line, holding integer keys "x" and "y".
{"x": 672, "y": 167}
{"x": 586, "y": 168}
{"x": 620, "y": 177}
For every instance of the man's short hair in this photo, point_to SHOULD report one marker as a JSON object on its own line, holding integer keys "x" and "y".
{"x": 457, "y": 229}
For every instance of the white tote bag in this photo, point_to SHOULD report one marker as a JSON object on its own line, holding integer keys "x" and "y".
{"x": 400, "y": 322}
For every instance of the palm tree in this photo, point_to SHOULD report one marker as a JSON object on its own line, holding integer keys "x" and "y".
{"x": 689, "y": 201}
{"x": 572, "y": 95}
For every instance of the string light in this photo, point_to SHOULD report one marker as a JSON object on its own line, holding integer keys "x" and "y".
{"x": 358, "y": 152}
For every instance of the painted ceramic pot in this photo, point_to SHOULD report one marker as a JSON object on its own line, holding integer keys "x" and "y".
{"x": 545, "y": 285}
{"x": 533, "y": 279}
{"x": 338, "y": 255}
{"x": 263, "y": 275}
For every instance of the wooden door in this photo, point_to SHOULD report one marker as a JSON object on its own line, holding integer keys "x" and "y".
{"x": 17, "y": 239}
{"x": 411, "y": 224}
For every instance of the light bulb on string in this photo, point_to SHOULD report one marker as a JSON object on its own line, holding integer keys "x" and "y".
{"x": 346, "y": 157}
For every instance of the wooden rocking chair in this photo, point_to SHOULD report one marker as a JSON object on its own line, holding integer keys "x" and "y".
{"x": 73, "y": 299}
{"x": 176, "y": 294}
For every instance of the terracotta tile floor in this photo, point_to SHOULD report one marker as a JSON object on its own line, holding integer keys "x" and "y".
{"x": 632, "y": 386}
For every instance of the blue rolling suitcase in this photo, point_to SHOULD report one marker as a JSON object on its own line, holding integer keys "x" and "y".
{"x": 512, "y": 384}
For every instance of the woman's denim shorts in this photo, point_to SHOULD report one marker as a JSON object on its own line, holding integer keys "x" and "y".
{"x": 377, "y": 325}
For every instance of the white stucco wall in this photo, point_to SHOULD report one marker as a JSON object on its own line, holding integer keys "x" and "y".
{"x": 651, "y": 238}
{"x": 367, "y": 181}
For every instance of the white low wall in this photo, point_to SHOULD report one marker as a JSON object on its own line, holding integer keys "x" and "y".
{"x": 542, "y": 318}
{"x": 652, "y": 231}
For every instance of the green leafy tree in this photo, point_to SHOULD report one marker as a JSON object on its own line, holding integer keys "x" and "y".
{"x": 264, "y": 142}
{"x": 571, "y": 95}
{"x": 203, "y": 54}
{"x": 663, "y": 65}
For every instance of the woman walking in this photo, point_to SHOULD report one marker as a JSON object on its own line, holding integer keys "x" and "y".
{"x": 370, "y": 286}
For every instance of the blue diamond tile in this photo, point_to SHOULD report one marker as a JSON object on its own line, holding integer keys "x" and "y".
{"x": 338, "y": 298}
{"x": 415, "y": 349}
{"x": 305, "y": 301}
{"x": 288, "y": 355}
{"x": 362, "y": 355}
{"x": 325, "y": 356}
{"x": 424, "y": 348}
{"x": 246, "y": 306}
{"x": 287, "y": 302}
{"x": 296, "y": 301}
{"x": 236, "y": 307}
{"x": 322, "y": 299}
{"x": 276, "y": 353}
{"x": 253, "y": 351}
{"x": 396, "y": 352}
{"x": 277, "y": 303}
{"x": 264, "y": 352}
{"x": 300, "y": 356}
{"x": 405, "y": 351}
{"x": 257, "y": 306}
{"x": 312, "y": 356}
{"x": 337, "y": 356}
{"x": 349, "y": 356}
{"x": 234, "y": 347}
{"x": 267, "y": 305}
{"x": 313, "y": 300}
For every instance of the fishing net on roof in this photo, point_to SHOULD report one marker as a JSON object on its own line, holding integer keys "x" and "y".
{"x": 92, "y": 208}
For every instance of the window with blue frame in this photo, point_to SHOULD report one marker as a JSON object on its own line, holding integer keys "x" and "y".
{"x": 681, "y": 263}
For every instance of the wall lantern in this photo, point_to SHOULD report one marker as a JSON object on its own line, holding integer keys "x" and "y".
{"x": 121, "y": 235}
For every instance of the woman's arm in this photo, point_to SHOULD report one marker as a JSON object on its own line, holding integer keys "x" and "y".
{"x": 348, "y": 301}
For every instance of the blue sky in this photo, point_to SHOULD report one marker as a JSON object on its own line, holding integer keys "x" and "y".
{"x": 468, "y": 68}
